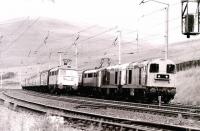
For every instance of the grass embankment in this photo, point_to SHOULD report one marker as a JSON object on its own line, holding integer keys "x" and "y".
{"x": 16, "y": 121}
{"x": 188, "y": 87}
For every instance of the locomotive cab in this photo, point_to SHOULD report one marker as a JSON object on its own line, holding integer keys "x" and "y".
{"x": 161, "y": 79}
{"x": 68, "y": 77}
{"x": 63, "y": 78}
{"x": 161, "y": 73}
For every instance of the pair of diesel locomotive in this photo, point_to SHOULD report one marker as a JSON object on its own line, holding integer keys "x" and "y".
{"x": 138, "y": 80}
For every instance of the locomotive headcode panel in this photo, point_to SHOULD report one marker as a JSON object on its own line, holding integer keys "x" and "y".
{"x": 161, "y": 74}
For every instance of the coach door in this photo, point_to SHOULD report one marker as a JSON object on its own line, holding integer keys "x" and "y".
{"x": 105, "y": 77}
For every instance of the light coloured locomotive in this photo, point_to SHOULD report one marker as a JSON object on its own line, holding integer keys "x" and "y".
{"x": 55, "y": 80}
{"x": 146, "y": 80}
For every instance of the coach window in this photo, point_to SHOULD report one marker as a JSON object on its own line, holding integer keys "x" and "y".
{"x": 170, "y": 68}
{"x": 129, "y": 76}
{"x": 154, "y": 68}
{"x": 90, "y": 75}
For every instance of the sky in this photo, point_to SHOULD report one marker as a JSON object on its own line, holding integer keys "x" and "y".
{"x": 148, "y": 18}
{"x": 90, "y": 11}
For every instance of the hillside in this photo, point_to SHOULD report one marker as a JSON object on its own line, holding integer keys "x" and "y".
{"x": 28, "y": 41}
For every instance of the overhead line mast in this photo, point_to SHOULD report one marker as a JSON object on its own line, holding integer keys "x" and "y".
{"x": 118, "y": 41}
{"x": 76, "y": 49}
{"x": 167, "y": 22}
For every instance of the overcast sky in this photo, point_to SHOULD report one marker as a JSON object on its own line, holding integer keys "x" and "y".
{"x": 148, "y": 18}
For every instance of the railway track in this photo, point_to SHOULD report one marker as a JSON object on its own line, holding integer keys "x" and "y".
{"x": 192, "y": 112}
{"x": 106, "y": 122}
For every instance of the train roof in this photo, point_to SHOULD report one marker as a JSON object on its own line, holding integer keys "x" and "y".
{"x": 161, "y": 60}
{"x": 132, "y": 64}
{"x": 93, "y": 70}
{"x": 62, "y": 67}
{"x": 122, "y": 66}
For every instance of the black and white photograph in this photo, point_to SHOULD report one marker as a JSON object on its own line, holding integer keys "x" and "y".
{"x": 99, "y": 65}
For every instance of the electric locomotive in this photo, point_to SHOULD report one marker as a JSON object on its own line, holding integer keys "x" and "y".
{"x": 56, "y": 80}
{"x": 139, "y": 80}
{"x": 152, "y": 78}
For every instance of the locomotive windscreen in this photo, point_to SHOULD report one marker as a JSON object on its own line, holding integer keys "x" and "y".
{"x": 170, "y": 68}
{"x": 154, "y": 68}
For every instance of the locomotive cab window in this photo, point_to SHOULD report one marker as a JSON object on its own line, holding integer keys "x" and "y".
{"x": 90, "y": 75}
{"x": 154, "y": 68}
{"x": 170, "y": 68}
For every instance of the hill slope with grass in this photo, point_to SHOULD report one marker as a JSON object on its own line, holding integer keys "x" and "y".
{"x": 188, "y": 87}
